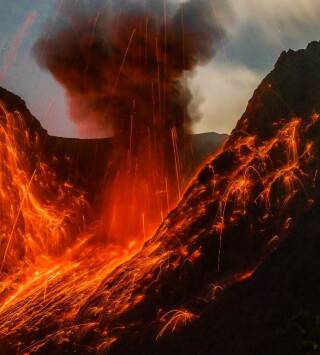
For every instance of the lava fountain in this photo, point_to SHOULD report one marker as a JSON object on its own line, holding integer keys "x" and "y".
{"x": 124, "y": 68}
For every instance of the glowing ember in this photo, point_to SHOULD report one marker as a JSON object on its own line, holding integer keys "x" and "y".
{"x": 175, "y": 319}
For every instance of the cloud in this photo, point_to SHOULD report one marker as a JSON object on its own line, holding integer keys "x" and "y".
{"x": 257, "y": 32}
{"x": 280, "y": 20}
{"x": 221, "y": 92}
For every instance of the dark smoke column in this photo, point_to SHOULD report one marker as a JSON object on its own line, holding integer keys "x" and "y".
{"x": 123, "y": 66}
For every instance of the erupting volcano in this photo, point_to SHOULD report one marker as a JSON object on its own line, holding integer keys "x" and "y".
{"x": 124, "y": 67}
{"x": 122, "y": 252}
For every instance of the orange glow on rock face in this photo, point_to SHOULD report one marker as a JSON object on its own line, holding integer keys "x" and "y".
{"x": 38, "y": 211}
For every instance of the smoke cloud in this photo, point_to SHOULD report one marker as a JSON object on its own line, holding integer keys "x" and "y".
{"x": 124, "y": 58}
{"x": 124, "y": 65}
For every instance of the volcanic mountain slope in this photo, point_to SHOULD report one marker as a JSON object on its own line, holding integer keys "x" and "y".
{"x": 248, "y": 225}
{"x": 234, "y": 268}
{"x": 260, "y": 193}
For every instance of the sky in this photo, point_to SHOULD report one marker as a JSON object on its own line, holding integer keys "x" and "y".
{"x": 257, "y": 31}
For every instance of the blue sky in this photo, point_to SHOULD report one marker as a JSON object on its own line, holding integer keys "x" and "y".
{"x": 257, "y": 32}
{"x": 44, "y": 97}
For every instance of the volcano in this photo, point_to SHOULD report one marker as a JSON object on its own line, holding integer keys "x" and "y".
{"x": 233, "y": 268}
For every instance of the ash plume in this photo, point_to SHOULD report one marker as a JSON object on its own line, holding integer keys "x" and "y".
{"x": 115, "y": 59}
{"x": 124, "y": 66}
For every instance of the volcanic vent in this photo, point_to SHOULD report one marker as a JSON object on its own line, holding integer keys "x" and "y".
{"x": 248, "y": 219}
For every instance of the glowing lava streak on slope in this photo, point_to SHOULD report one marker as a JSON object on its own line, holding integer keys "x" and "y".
{"x": 48, "y": 266}
{"x": 38, "y": 212}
